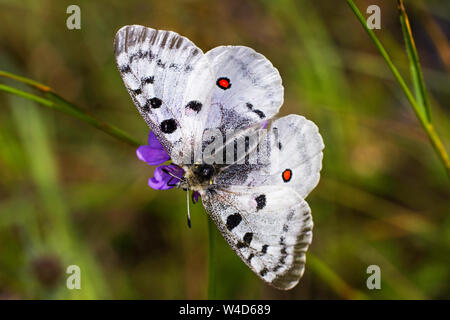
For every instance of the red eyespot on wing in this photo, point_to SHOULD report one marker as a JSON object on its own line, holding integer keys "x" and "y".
{"x": 287, "y": 175}
{"x": 223, "y": 83}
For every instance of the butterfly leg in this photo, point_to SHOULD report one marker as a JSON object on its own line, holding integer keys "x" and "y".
{"x": 171, "y": 184}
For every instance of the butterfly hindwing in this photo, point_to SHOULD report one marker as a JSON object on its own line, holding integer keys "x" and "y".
{"x": 270, "y": 228}
{"x": 169, "y": 80}
{"x": 294, "y": 158}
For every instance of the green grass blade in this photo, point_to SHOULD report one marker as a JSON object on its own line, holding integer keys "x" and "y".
{"x": 338, "y": 285}
{"x": 428, "y": 126}
{"x": 27, "y": 81}
{"x": 416, "y": 70}
{"x": 54, "y": 101}
{"x": 27, "y": 95}
{"x": 59, "y": 238}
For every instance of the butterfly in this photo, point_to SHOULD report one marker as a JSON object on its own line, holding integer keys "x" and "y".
{"x": 182, "y": 92}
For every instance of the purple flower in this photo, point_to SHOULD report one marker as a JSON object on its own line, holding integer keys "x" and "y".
{"x": 153, "y": 153}
{"x": 195, "y": 196}
{"x": 165, "y": 176}
{"x": 162, "y": 180}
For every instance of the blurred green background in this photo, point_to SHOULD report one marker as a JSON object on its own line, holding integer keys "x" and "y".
{"x": 70, "y": 194}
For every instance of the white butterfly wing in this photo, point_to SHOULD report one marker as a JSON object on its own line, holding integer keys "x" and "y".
{"x": 248, "y": 88}
{"x": 260, "y": 208}
{"x": 269, "y": 227}
{"x": 294, "y": 158}
{"x": 171, "y": 83}
{"x": 180, "y": 92}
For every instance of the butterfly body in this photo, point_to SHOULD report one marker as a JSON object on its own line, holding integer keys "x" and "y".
{"x": 200, "y": 176}
{"x": 255, "y": 189}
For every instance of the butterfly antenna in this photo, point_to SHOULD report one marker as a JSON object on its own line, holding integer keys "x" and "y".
{"x": 188, "y": 212}
{"x": 171, "y": 174}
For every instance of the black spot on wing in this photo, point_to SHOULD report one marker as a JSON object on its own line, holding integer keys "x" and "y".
{"x": 263, "y": 272}
{"x": 257, "y": 111}
{"x": 148, "y": 80}
{"x": 241, "y": 245}
{"x": 233, "y": 221}
{"x": 133, "y": 57}
{"x": 264, "y": 248}
{"x": 160, "y": 64}
{"x": 278, "y": 267}
{"x": 248, "y": 238}
{"x": 194, "y": 105}
{"x": 146, "y": 54}
{"x": 168, "y": 126}
{"x": 260, "y": 202}
{"x": 125, "y": 69}
{"x": 140, "y": 55}
{"x": 155, "y": 102}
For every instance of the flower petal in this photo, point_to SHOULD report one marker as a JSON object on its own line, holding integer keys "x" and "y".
{"x": 153, "y": 153}
{"x": 153, "y": 141}
{"x": 161, "y": 179}
{"x": 158, "y": 184}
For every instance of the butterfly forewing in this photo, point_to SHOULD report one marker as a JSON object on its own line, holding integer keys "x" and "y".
{"x": 248, "y": 88}
{"x": 170, "y": 81}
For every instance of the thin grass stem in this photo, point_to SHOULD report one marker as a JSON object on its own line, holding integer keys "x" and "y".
{"x": 54, "y": 101}
{"x": 428, "y": 126}
{"x": 416, "y": 70}
{"x": 212, "y": 293}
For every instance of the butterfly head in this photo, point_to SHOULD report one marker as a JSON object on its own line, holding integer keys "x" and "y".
{"x": 199, "y": 176}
